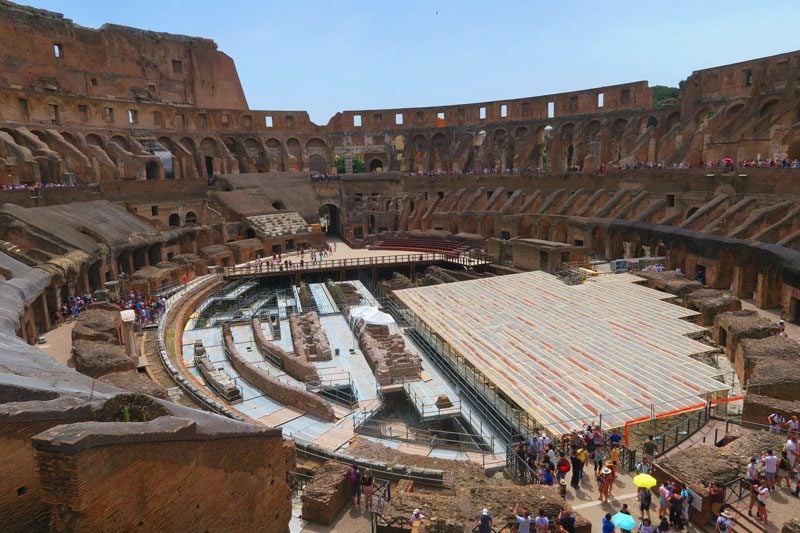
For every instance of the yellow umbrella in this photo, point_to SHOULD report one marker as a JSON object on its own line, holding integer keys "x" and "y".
{"x": 645, "y": 481}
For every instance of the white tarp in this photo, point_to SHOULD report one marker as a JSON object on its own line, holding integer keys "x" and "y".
{"x": 370, "y": 315}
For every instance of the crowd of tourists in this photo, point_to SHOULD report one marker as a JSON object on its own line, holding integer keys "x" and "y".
{"x": 33, "y": 186}
{"x": 148, "y": 309}
{"x": 277, "y": 262}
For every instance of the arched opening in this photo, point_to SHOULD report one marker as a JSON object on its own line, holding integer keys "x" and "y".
{"x": 279, "y": 205}
{"x": 746, "y": 280}
{"x": 673, "y": 119}
{"x": 734, "y": 109}
{"x": 592, "y": 129}
{"x": 376, "y": 165}
{"x": 274, "y": 156}
{"x": 329, "y": 219}
{"x": 616, "y": 246}
{"x": 724, "y": 270}
{"x": 371, "y": 223}
{"x": 652, "y": 122}
{"x": 253, "y": 150}
{"x": 250, "y": 233}
{"x": 599, "y": 242}
{"x": 316, "y": 163}
{"x": 560, "y": 234}
{"x": 122, "y": 141}
{"x": 794, "y": 150}
{"x": 294, "y": 155}
{"x": 691, "y": 212}
{"x": 618, "y": 127}
{"x": 771, "y": 289}
{"x": 191, "y": 217}
{"x": 767, "y": 108}
{"x": 95, "y": 140}
{"x": 152, "y": 170}
{"x": 543, "y": 232}
{"x": 570, "y": 153}
{"x": 525, "y": 226}
{"x": 174, "y": 220}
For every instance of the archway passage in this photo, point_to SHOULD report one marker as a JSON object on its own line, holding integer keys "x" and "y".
{"x": 191, "y": 217}
{"x": 175, "y": 220}
{"x": 329, "y": 218}
{"x": 316, "y": 163}
{"x": 724, "y": 277}
{"x": 376, "y": 165}
{"x": 151, "y": 170}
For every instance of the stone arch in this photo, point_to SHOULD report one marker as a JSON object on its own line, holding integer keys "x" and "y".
{"x": 152, "y": 170}
{"x": 274, "y": 155}
{"x": 599, "y": 241}
{"x": 618, "y": 127}
{"x": 191, "y": 217}
{"x": 437, "y": 151}
{"x": 188, "y": 143}
{"x": 525, "y": 227}
{"x": 208, "y": 151}
{"x": 95, "y": 140}
{"x": 734, "y": 109}
{"x": 616, "y": 246}
{"x": 724, "y": 270}
{"x": 70, "y": 138}
{"x": 543, "y": 229}
{"x": 746, "y": 278}
{"x": 560, "y": 233}
{"x": 294, "y": 154}
{"x": 122, "y": 141}
{"x": 315, "y": 144}
{"x": 329, "y": 218}
{"x": 453, "y": 225}
{"x": 488, "y": 226}
{"x": 520, "y": 133}
{"x": 376, "y": 165}
{"x": 767, "y": 107}
{"x": 317, "y": 163}
{"x": 255, "y": 151}
{"x": 174, "y": 220}
{"x": 648, "y": 122}
{"x": 479, "y": 138}
{"x": 672, "y": 119}
{"x": 470, "y": 224}
{"x": 419, "y": 149}
{"x": 593, "y": 128}
{"x": 566, "y": 130}
{"x": 770, "y": 291}
{"x": 691, "y": 211}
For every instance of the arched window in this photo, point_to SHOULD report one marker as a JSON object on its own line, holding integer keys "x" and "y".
{"x": 191, "y": 217}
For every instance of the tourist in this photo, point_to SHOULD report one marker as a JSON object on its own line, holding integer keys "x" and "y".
{"x": 542, "y": 523}
{"x": 775, "y": 422}
{"x": 675, "y": 508}
{"x": 524, "y": 521}
{"x": 784, "y": 470}
{"x": 649, "y": 448}
{"x": 753, "y": 496}
{"x": 583, "y": 455}
{"x": 624, "y": 510}
{"x": 792, "y": 428}
{"x": 663, "y": 526}
{"x": 664, "y": 494}
{"x": 551, "y": 454}
{"x": 599, "y": 459}
{"x": 643, "y": 466}
{"x": 577, "y": 468}
{"x": 687, "y": 501}
{"x": 416, "y": 517}
{"x": 792, "y": 451}
{"x": 717, "y": 493}
{"x": 368, "y": 487}
{"x": 485, "y": 522}
{"x": 608, "y": 525}
{"x": 761, "y": 501}
{"x": 604, "y": 484}
{"x": 752, "y": 471}
{"x": 562, "y": 467}
{"x": 354, "y": 482}
{"x": 723, "y": 523}
{"x": 615, "y": 438}
{"x": 645, "y": 498}
{"x": 770, "y": 461}
{"x": 646, "y": 526}
{"x": 566, "y": 521}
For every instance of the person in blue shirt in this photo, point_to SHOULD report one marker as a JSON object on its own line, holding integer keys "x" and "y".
{"x": 608, "y": 525}
{"x": 615, "y": 438}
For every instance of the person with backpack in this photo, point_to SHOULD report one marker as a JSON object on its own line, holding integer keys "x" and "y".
{"x": 354, "y": 482}
{"x": 645, "y": 498}
{"x": 688, "y": 498}
{"x": 485, "y": 522}
{"x": 542, "y": 523}
{"x": 723, "y": 523}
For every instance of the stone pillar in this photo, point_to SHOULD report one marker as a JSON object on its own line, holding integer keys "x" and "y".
{"x": 128, "y": 337}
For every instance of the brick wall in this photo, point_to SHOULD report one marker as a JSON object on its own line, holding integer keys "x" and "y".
{"x": 186, "y": 484}
{"x": 296, "y": 367}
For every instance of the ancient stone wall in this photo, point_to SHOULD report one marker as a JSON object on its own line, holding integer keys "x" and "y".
{"x": 102, "y": 476}
{"x": 294, "y": 365}
{"x": 308, "y": 338}
{"x": 286, "y": 394}
{"x": 326, "y": 493}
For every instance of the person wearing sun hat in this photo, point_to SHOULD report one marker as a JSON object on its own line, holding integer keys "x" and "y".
{"x": 723, "y": 523}
{"x": 485, "y": 522}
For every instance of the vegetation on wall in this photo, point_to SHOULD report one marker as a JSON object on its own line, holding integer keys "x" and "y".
{"x": 358, "y": 165}
{"x": 662, "y": 93}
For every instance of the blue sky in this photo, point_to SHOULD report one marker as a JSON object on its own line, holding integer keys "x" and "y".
{"x": 328, "y": 56}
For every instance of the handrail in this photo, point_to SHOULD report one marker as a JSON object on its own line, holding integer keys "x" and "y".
{"x": 267, "y": 267}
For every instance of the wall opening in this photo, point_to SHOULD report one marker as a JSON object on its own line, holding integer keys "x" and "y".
{"x": 398, "y": 118}
{"x": 504, "y": 111}
{"x": 357, "y": 121}
{"x": 482, "y": 113}
{"x": 151, "y": 170}
{"x": 268, "y": 121}
{"x": 191, "y": 217}
{"x": 551, "y": 109}
{"x": 58, "y": 50}
{"x": 600, "y": 100}
{"x": 177, "y": 66}
{"x": 133, "y": 116}
{"x": 174, "y": 220}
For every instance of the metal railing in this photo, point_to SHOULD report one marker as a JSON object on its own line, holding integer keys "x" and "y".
{"x": 266, "y": 267}
{"x": 433, "y": 438}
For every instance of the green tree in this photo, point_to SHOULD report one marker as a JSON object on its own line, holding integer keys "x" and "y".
{"x": 358, "y": 165}
{"x": 662, "y": 93}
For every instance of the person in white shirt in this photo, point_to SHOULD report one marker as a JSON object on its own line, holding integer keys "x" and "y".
{"x": 752, "y": 471}
{"x": 524, "y": 520}
{"x": 416, "y": 516}
{"x": 792, "y": 451}
{"x": 542, "y": 523}
{"x": 792, "y": 426}
{"x": 771, "y": 462}
{"x": 776, "y": 422}
{"x": 723, "y": 524}
{"x": 763, "y": 494}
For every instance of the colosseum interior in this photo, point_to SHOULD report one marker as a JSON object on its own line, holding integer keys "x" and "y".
{"x": 131, "y": 164}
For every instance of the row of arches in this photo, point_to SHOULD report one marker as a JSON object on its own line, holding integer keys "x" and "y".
{"x": 189, "y": 218}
